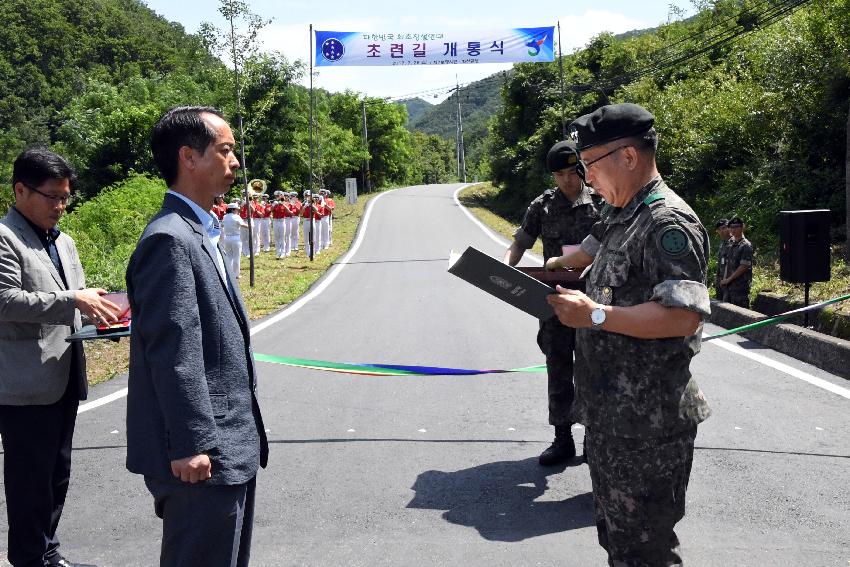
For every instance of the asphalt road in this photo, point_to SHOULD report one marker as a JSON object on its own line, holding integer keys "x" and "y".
{"x": 442, "y": 470}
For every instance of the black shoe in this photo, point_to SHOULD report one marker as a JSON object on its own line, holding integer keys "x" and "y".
{"x": 562, "y": 449}
{"x": 62, "y": 562}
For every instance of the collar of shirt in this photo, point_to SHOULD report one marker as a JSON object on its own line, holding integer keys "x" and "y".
{"x": 210, "y": 223}
{"x": 46, "y": 236}
{"x": 626, "y": 213}
{"x": 207, "y": 220}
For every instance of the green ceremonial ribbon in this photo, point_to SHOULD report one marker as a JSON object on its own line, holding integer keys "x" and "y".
{"x": 777, "y": 318}
{"x": 402, "y": 370}
{"x": 383, "y": 369}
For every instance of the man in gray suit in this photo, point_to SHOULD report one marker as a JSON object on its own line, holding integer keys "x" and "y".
{"x": 194, "y": 428}
{"x": 42, "y": 377}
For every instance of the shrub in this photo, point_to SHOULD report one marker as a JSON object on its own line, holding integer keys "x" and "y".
{"x": 107, "y": 227}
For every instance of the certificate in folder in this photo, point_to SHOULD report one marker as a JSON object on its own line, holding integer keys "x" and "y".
{"x": 505, "y": 282}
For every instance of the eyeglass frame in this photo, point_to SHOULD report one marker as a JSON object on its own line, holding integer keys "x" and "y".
{"x": 582, "y": 167}
{"x": 64, "y": 200}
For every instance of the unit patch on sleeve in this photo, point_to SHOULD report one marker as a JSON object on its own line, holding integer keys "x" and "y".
{"x": 673, "y": 241}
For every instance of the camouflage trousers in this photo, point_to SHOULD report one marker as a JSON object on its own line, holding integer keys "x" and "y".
{"x": 738, "y": 295}
{"x": 639, "y": 490}
{"x": 557, "y": 343}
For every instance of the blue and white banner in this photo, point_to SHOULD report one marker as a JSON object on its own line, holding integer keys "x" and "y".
{"x": 520, "y": 45}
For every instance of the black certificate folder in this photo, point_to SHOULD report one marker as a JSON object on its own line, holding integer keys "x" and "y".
{"x": 502, "y": 281}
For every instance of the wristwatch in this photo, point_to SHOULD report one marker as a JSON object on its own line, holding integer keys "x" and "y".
{"x": 597, "y": 317}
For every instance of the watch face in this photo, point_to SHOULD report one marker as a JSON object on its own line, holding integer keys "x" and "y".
{"x": 597, "y": 316}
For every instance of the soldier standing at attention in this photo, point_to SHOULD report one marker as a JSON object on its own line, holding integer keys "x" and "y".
{"x": 738, "y": 276}
{"x": 722, "y": 231}
{"x": 639, "y": 324}
{"x": 560, "y": 216}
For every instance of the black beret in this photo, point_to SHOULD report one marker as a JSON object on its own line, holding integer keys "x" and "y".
{"x": 609, "y": 123}
{"x": 720, "y": 222}
{"x": 561, "y": 156}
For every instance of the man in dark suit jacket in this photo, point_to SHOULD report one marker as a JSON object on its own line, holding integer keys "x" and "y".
{"x": 42, "y": 376}
{"x": 194, "y": 428}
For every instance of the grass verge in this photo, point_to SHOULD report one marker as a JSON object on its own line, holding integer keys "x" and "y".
{"x": 276, "y": 284}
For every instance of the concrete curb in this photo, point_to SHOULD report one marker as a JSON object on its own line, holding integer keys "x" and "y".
{"x": 824, "y": 351}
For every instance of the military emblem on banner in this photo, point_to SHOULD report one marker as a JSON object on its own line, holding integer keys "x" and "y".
{"x": 332, "y": 49}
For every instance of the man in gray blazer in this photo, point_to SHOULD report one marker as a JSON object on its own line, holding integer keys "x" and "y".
{"x": 194, "y": 428}
{"x": 42, "y": 377}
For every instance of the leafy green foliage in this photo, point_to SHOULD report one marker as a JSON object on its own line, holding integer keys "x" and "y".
{"x": 748, "y": 127}
{"x": 107, "y": 227}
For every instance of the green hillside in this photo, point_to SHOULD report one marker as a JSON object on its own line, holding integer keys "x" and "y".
{"x": 416, "y": 107}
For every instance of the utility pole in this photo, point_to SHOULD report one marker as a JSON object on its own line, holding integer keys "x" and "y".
{"x": 242, "y": 149}
{"x": 561, "y": 71}
{"x": 461, "y": 157}
{"x": 847, "y": 192}
{"x": 366, "y": 173}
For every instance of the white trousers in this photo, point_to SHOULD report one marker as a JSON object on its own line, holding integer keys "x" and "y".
{"x": 230, "y": 246}
{"x": 325, "y": 230}
{"x": 243, "y": 233}
{"x": 281, "y": 237}
{"x": 305, "y": 226}
{"x": 265, "y": 234}
{"x": 255, "y": 230}
{"x": 294, "y": 232}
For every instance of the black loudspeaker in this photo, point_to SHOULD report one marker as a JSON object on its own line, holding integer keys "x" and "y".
{"x": 804, "y": 246}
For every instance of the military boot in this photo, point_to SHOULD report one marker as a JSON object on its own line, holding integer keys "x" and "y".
{"x": 562, "y": 449}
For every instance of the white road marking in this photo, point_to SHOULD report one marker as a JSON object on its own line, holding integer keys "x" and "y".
{"x": 329, "y": 278}
{"x": 102, "y": 401}
{"x": 351, "y": 431}
{"x": 784, "y": 368}
{"x": 292, "y": 308}
{"x": 844, "y": 392}
{"x": 423, "y": 431}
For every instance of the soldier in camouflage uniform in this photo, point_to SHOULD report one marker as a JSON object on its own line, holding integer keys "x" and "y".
{"x": 738, "y": 276}
{"x": 639, "y": 325}
{"x": 560, "y": 216}
{"x": 722, "y": 231}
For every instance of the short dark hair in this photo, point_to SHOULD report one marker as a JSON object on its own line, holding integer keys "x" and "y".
{"x": 178, "y": 127}
{"x": 36, "y": 164}
{"x": 646, "y": 142}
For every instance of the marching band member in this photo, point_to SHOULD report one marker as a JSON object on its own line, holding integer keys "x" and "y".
{"x": 295, "y": 207}
{"x": 255, "y": 224}
{"x": 231, "y": 240}
{"x": 324, "y": 221}
{"x": 219, "y": 207}
{"x": 329, "y": 203}
{"x": 265, "y": 223}
{"x": 243, "y": 214}
{"x": 280, "y": 213}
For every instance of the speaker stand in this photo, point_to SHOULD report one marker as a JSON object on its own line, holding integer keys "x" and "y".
{"x": 806, "y": 304}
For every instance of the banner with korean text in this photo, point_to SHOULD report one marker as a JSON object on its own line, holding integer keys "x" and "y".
{"x": 519, "y": 45}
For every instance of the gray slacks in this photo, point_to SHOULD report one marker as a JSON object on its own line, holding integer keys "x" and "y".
{"x": 204, "y": 524}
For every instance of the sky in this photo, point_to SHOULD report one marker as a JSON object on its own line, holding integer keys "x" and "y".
{"x": 288, "y": 33}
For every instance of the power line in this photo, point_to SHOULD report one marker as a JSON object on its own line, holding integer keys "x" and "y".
{"x": 667, "y": 58}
